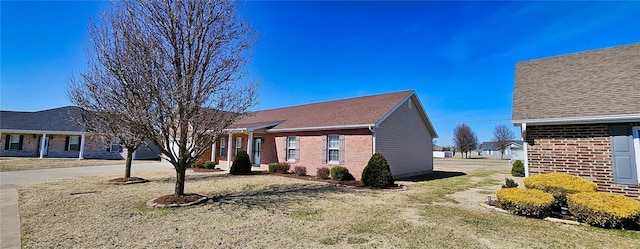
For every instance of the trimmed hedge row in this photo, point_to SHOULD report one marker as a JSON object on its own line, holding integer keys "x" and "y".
{"x": 560, "y": 185}
{"x": 525, "y": 202}
{"x": 603, "y": 209}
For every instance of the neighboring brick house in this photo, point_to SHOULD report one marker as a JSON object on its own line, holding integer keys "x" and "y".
{"x": 56, "y": 133}
{"x": 580, "y": 114}
{"x": 342, "y": 132}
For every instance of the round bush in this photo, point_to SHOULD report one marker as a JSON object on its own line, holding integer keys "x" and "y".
{"x": 603, "y": 209}
{"x": 525, "y": 202}
{"x": 300, "y": 170}
{"x": 377, "y": 173}
{"x": 323, "y": 173}
{"x": 241, "y": 164}
{"x": 560, "y": 185}
{"x": 340, "y": 173}
{"x": 209, "y": 165}
{"x": 273, "y": 167}
{"x": 517, "y": 169}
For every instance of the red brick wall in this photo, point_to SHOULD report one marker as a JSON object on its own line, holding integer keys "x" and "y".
{"x": 582, "y": 150}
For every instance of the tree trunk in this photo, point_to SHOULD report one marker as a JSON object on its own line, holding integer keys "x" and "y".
{"x": 502, "y": 154}
{"x": 127, "y": 168}
{"x": 180, "y": 173}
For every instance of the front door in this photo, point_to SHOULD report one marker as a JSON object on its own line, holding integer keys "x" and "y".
{"x": 257, "y": 150}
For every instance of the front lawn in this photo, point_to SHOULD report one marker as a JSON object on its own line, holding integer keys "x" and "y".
{"x": 265, "y": 211}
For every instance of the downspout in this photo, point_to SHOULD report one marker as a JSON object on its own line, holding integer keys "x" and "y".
{"x": 373, "y": 139}
{"x": 523, "y": 130}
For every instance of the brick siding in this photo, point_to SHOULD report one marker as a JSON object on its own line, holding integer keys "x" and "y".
{"x": 582, "y": 150}
{"x": 95, "y": 147}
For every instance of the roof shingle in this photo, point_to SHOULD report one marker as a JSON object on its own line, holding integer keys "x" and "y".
{"x": 57, "y": 119}
{"x": 593, "y": 83}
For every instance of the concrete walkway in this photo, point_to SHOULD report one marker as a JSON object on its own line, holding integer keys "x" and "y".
{"x": 9, "y": 212}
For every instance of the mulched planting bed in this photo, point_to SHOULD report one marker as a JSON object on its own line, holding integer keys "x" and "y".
{"x": 177, "y": 199}
{"x": 205, "y": 170}
{"x": 127, "y": 180}
{"x": 352, "y": 183}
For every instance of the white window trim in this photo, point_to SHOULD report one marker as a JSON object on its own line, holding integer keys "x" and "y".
{"x": 223, "y": 147}
{"x": 70, "y": 143}
{"x": 329, "y": 149}
{"x": 636, "y": 145}
{"x": 238, "y": 144}
{"x": 17, "y": 142}
{"x": 289, "y": 147}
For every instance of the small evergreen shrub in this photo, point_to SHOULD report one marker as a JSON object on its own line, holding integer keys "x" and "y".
{"x": 509, "y": 183}
{"x": 323, "y": 173}
{"x": 300, "y": 170}
{"x": 273, "y": 167}
{"x": 283, "y": 168}
{"x": 517, "y": 169}
{"x": 241, "y": 164}
{"x": 209, "y": 165}
{"x": 199, "y": 163}
{"x": 525, "y": 202}
{"x": 604, "y": 209}
{"x": 377, "y": 173}
{"x": 560, "y": 185}
{"x": 340, "y": 173}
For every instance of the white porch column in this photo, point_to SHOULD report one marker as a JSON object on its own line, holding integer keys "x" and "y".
{"x": 81, "y": 154}
{"x": 250, "y": 146}
{"x": 229, "y": 150}
{"x": 523, "y": 130}
{"x": 213, "y": 151}
{"x": 42, "y": 140}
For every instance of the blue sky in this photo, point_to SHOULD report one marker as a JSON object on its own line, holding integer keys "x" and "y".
{"x": 458, "y": 56}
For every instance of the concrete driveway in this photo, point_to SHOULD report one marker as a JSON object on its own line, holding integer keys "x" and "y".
{"x": 9, "y": 212}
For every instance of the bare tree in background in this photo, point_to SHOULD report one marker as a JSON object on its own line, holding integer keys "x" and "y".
{"x": 172, "y": 71}
{"x": 502, "y": 137}
{"x": 464, "y": 139}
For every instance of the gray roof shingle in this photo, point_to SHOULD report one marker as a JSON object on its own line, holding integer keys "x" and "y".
{"x": 593, "y": 83}
{"x": 57, "y": 119}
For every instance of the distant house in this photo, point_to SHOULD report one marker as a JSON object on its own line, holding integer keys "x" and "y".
{"x": 580, "y": 114}
{"x": 439, "y": 152}
{"x": 56, "y": 133}
{"x": 515, "y": 150}
{"x": 342, "y": 132}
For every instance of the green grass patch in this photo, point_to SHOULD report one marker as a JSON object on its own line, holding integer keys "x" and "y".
{"x": 309, "y": 214}
{"x": 333, "y": 240}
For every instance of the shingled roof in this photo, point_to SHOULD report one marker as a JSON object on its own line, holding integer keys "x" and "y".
{"x": 359, "y": 112}
{"x": 63, "y": 119}
{"x": 594, "y": 86}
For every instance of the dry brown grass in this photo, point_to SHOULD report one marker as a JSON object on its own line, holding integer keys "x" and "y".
{"x": 47, "y": 163}
{"x": 265, "y": 211}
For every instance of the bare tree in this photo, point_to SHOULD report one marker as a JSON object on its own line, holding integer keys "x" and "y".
{"x": 172, "y": 71}
{"x": 464, "y": 139}
{"x": 502, "y": 137}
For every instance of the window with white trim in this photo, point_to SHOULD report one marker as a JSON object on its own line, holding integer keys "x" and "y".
{"x": 333, "y": 148}
{"x": 14, "y": 142}
{"x": 115, "y": 148}
{"x": 291, "y": 148}
{"x": 74, "y": 143}
{"x": 223, "y": 147}
{"x": 238, "y": 144}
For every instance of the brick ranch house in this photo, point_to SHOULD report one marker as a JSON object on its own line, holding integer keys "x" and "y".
{"x": 342, "y": 132}
{"x": 55, "y": 133}
{"x": 580, "y": 114}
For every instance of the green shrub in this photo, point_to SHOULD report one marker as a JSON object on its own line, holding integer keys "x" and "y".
{"x": 323, "y": 173}
{"x": 525, "y": 202}
{"x": 209, "y": 165}
{"x": 377, "y": 173}
{"x": 517, "y": 169}
{"x": 300, "y": 170}
{"x": 604, "y": 209}
{"x": 340, "y": 173}
{"x": 273, "y": 167}
{"x": 560, "y": 185}
{"x": 241, "y": 164}
{"x": 509, "y": 183}
{"x": 199, "y": 163}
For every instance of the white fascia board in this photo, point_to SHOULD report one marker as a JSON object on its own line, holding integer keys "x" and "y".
{"x": 421, "y": 110}
{"x": 13, "y": 131}
{"x": 322, "y": 128}
{"x": 620, "y": 118}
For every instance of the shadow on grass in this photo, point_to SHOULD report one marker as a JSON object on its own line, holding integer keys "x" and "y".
{"x": 433, "y": 176}
{"x": 274, "y": 197}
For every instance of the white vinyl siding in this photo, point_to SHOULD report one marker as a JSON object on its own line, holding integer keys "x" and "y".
{"x": 405, "y": 141}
